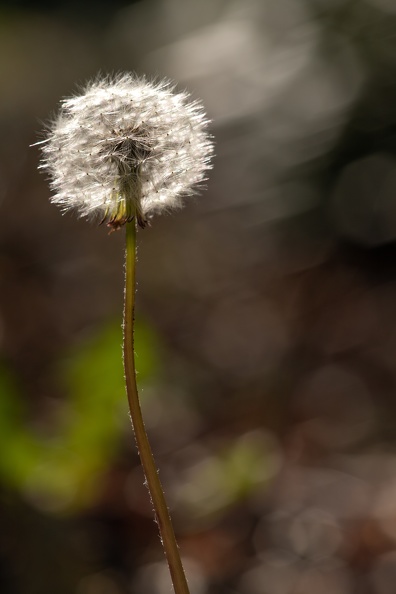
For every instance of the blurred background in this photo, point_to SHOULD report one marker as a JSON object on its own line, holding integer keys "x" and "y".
{"x": 266, "y": 315}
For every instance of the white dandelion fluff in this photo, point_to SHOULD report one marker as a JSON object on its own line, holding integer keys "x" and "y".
{"x": 126, "y": 147}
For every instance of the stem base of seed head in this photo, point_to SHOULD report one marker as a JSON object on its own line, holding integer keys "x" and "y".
{"x": 116, "y": 217}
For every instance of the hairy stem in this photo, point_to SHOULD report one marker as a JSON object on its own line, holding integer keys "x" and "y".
{"x": 146, "y": 457}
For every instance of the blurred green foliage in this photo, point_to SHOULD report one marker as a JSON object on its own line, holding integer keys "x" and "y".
{"x": 61, "y": 471}
{"x": 231, "y": 473}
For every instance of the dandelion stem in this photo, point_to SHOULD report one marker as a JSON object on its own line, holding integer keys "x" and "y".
{"x": 146, "y": 456}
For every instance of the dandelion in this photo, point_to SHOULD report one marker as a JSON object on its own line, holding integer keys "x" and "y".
{"x": 125, "y": 148}
{"x": 119, "y": 152}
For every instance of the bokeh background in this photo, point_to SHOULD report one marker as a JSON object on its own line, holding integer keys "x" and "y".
{"x": 266, "y": 325}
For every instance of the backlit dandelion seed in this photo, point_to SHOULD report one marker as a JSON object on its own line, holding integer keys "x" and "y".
{"x": 126, "y": 147}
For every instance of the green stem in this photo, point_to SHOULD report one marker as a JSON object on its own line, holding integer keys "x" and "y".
{"x": 146, "y": 456}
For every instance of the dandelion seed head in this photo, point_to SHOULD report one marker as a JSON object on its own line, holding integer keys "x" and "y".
{"x": 126, "y": 147}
